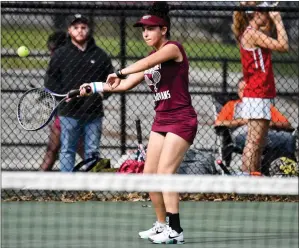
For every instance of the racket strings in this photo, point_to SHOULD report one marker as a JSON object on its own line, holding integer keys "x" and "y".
{"x": 35, "y": 108}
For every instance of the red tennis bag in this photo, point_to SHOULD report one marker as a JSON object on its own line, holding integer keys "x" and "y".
{"x": 131, "y": 166}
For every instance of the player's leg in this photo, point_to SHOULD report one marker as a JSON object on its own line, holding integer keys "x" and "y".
{"x": 154, "y": 148}
{"x": 256, "y": 138}
{"x": 173, "y": 151}
{"x": 80, "y": 149}
{"x": 92, "y": 137}
{"x": 70, "y": 133}
{"x": 258, "y": 113}
{"x": 52, "y": 147}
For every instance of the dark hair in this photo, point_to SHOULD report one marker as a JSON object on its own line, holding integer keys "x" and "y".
{"x": 56, "y": 40}
{"x": 161, "y": 9}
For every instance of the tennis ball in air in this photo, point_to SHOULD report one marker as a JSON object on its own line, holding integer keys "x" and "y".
{"x": 23, "y": 51}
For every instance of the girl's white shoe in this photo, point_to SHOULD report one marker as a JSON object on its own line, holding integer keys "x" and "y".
{"x": 155, "y": 230}
{"x": 168, "y": 236}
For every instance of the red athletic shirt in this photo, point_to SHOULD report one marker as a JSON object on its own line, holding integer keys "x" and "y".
{"x": 169, "y": 82}
{"x": 257, "y": 71}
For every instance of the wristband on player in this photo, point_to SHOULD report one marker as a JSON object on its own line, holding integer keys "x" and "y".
{"x": 97, "y": 87}
{"x": 120, "y": 75}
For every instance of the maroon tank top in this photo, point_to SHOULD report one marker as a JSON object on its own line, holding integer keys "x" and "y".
{"x": 169, "y": 82}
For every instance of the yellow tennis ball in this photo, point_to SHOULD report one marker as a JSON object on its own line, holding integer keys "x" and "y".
{"x": 23, "y": 51}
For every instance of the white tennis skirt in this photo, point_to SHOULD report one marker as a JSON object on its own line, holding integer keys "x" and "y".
{"x": 256, "y": 108}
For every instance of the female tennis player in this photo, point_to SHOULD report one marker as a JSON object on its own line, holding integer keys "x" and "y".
{"x": 165, "y": 70}
{"x": 252, "y": 32}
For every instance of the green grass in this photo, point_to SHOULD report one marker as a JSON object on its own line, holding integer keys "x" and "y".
{"x": 23, "y": 63}
{"x": 31, "y": 37}
{"x": 35, "y": 39}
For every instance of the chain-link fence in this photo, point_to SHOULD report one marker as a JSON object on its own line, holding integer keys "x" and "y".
{"x": 204, "y": 29}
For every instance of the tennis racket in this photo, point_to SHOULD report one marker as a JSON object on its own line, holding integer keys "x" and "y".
{"x": 223, "y": 167}
{"x": 37, "y": 107}
{"x": 141, "y": 154}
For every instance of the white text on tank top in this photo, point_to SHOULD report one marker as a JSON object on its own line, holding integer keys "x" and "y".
{"x": 256, "y": 54}
{"x": 152, "y": 77}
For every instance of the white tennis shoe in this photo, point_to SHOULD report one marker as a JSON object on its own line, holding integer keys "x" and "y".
{"x": 168, "y": 236}
{"x": 155, "y": 230}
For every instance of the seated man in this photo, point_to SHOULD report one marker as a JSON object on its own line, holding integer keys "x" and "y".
{"x": 279, "y": 141}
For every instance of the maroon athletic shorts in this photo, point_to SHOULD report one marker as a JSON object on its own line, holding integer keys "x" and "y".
{"x": 182, "y": 122}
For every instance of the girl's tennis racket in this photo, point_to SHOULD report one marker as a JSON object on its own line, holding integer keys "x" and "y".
{"x": 37, "y": 107}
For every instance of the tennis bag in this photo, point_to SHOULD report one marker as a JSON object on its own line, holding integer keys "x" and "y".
{"x": 131, "y": 166}
{"x": 195, "y": 162}
{"x": 135, "y": 165}
{"x": 93, "y": 164}
{"x": 198, "y": 162}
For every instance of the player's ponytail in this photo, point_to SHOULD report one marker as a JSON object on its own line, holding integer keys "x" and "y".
{"x": 161, "y": 9}
{"x": 241, "y": 20}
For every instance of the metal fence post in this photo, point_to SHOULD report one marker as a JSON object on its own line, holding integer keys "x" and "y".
{"x": 123, "y": 95}
{"x": 224, "y": 75}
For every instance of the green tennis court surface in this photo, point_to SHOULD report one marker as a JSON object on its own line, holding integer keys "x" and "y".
{"x": 116, "y": 224}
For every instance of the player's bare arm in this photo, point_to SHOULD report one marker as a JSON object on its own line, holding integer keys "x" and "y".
{"x": 166, "y": 53}
{"x": 262, "y": 40}
{"x": 126, "y": 84}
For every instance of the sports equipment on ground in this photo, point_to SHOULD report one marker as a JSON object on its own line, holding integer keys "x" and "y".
{"x": 141, "y": 153}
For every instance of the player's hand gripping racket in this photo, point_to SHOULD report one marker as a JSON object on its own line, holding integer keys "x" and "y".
{"x": 37, "y": 107}
{"x": 141, "y": 154}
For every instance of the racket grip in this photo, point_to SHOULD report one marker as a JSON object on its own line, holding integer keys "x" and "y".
{"x": 139, "y": 134}
{"x": 223, "y": 167}
{"x": 74, "y": 93}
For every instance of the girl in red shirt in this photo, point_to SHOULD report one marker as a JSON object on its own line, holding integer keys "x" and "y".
{"x": 252, "y": 32}
{"x": 165, "y": 70}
